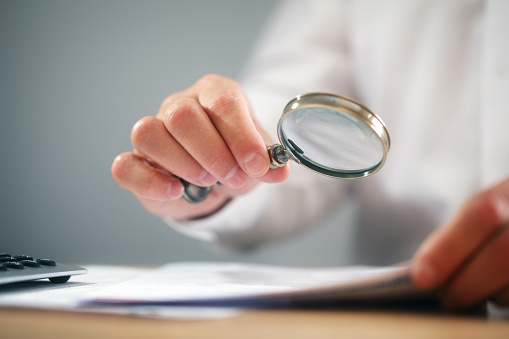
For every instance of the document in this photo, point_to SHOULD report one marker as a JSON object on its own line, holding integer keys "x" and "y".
{"x": 212, "y": 283}
{"x": 211, "y": 290}
{"x": 42, "y": 294}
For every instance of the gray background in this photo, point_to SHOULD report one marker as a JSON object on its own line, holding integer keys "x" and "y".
{"x": 74, "y": 77}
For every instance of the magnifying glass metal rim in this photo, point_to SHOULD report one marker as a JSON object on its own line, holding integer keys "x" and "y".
{"x": 345, "y": 105}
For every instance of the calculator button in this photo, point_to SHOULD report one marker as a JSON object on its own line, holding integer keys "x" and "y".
{"x": 30, "y": 263}
{"x": 60, "y": 280}
{"x": 23, "y": 257}
{"x": 5, "y": 255}
{"x": 4, "y": 259}
{"x": 14, "y": 264}
{"x": 47, "y": 262}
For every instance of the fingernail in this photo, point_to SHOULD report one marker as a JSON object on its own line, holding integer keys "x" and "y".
{"x": 236, "y": 177}
{"x": 207, "y": 179}
{"x": 174, "y": 191}
{"x": 255, "y": 164}
{"x": 425, "y": 275}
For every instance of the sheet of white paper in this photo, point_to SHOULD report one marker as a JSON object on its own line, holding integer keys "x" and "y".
{"x": 215, "y": 282}
{"x": 42, "y": 294}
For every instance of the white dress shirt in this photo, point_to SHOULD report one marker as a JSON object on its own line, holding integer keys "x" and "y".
{"x": 437, "y": 73}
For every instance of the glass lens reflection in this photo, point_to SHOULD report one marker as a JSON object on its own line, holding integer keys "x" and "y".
{"x": 332, "y": 139}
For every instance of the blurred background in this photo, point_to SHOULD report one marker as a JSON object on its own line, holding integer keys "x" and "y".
{"x": 74, "y": 78}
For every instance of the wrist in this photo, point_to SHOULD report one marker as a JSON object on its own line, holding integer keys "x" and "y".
{"x": 214, "y": 211}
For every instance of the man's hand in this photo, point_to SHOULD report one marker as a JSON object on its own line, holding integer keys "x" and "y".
{"x": 468, "y": 258}
{"x": 203, "y": 135}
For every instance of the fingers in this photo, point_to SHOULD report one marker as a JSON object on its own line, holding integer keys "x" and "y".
{"x": 447, "y": 248}
{"x": 151, "y": 138}
{"x": 274, "y": 175}
{"x": 468, "y": 256}
{"x": 203, "y": 134}
{"x": 212, "y": 122}
{"x": 157, "y": 190}
{"x": 229, "y": 111}
{"x": 189, "y": 124}
{"x": 484, "y": 276}
{"x": 134, "y": 173}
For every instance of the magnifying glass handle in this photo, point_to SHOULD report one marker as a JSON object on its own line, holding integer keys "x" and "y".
{"x": 194, "y": 194}
{"x": 278, "y": 156}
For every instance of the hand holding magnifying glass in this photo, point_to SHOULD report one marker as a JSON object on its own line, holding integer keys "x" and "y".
{"x": 332, "y": 135}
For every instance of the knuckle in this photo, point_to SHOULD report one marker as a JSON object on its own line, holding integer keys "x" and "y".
{"x": 153, "y": 187}
{"x": 143, "y": 130}
{"x": 245, "y": 136}
{"x": 217, "y": 163}
{"x": 213, "y": 80}
{"x": 169, "y": 99}
{"x": 224, "y": 102}
{"x": 181, "y": 113}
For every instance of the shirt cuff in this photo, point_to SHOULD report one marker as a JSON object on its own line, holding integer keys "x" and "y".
{"x": 240, "y": 216}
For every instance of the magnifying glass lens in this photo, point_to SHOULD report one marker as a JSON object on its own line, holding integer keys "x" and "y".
{"x": 331, "y": 139}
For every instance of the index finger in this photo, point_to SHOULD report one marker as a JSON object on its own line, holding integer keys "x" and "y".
{"x": 229, "y": 111}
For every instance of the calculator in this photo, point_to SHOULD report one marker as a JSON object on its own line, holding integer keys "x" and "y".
{"x": 17, "y": 268}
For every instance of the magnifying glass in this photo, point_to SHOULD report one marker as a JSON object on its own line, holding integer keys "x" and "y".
{"x": 329, "y": 134}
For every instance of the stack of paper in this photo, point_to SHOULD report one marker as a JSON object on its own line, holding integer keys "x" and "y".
{"x": 233, "y": 283}
{"x": 212, "y": 290}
